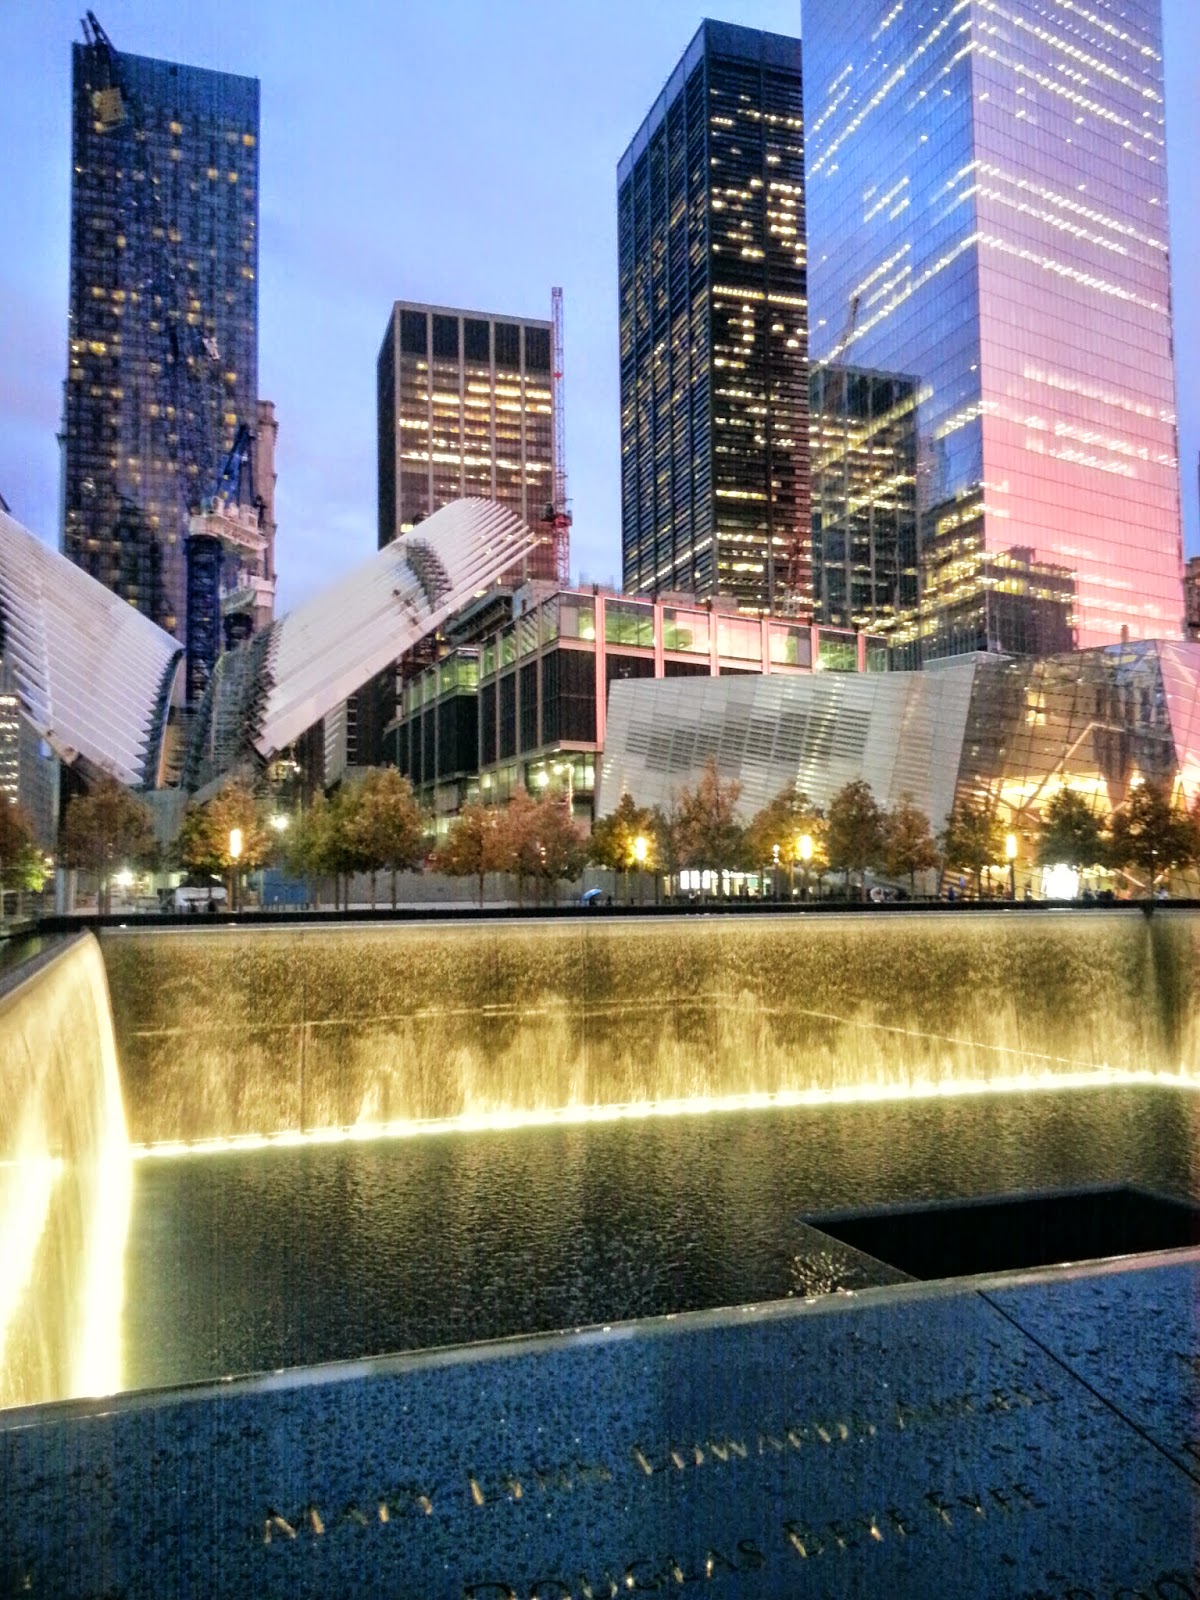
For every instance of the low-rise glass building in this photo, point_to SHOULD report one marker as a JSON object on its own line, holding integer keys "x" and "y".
{"x": 529, "y": 705}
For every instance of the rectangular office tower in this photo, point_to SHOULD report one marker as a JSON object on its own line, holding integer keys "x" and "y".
{"x": 465, "y": 407}
{"x": 987, "y": 210}
{"x": 714, "y": 329}
{"x": 163, "y": 356}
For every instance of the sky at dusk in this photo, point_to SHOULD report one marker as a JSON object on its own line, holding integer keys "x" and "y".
{"x": 455, "y": 151}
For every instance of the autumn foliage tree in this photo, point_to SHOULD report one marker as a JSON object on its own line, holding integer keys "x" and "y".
{"x": 473, "y": 847}
{"x": 972, "y": 840}
{"x": 538, "y": 840}
{"x": 775, "y": 832}
{"x": 854, "y": 839}
{"x": 207, "y": 836}
{"x": 1150, "y": 836}
{"x": 22, "y": 865}
{"x": 1071, "y": 834}
{"x": 106, "y": 829}
{"x": 384, "y": 823}
{"x": 908, "y": 843}
{"x": 614, "y": 840}
{"x": 707, "y": 832}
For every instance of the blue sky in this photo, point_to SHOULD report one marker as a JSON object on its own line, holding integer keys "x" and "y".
{"x": 457, "y": 151}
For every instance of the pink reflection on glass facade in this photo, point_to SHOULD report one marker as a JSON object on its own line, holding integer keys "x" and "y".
{"x": 994, "y": 174}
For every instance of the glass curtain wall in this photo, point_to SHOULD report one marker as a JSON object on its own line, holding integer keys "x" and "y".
{"x": 987, "y": 194}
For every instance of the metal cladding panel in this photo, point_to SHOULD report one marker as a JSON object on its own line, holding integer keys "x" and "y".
{"x": 902, "y": 732}
{"x": 332, "y": 646}
{"x": 92, "y": 673}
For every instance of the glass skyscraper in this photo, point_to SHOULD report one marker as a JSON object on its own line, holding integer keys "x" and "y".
{"x": 163, "y": 357}
{"x": 988, "y": 214}
{"x": 714, "y": 335}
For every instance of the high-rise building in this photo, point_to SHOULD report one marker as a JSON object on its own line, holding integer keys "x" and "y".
{"x": 714, "y": 329}
{"x": 1191, "y": 591}
{"x": 864, "y": 496}
{"x": 987, "y": 213}
{"x": 163, "y": 357}
{"x": 465, "y": 407}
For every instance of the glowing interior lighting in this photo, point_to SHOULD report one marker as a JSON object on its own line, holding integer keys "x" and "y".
{"x": 642, "y": 1110}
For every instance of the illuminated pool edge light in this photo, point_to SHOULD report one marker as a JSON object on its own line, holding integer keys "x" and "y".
{"x": 644, "y": 1110}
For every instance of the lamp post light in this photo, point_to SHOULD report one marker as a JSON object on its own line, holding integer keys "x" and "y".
{"x": 567, "y": 768}
{"x": 1010, "y": 850}
{"x": 640, "y": 851}
{"x": 235, "y": 855}
{"x": 280, "y": 823}
{"x": 775, "y": 872}
{"x": 805, "y": 846}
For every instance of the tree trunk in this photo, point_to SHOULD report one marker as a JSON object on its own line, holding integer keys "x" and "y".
{"x": 481, "y": 878}
{"x": 372, "y": 888}
{"x": 393, "y": 888}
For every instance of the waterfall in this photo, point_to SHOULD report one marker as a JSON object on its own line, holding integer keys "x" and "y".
{"x": 65, "y": 1180}
{"x": 238, "y": 1034}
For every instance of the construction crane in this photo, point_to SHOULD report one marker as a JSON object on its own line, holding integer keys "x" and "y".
{"x": 216, "y": 522}
{"x": 558, "y": 514}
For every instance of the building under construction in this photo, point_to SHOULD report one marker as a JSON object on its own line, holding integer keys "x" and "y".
{"x": 162, "y": 375}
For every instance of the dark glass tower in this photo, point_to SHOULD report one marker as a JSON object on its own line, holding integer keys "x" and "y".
{"x": 988, "y": 214}
{"x": 163, "y": 357}
{"x": 714, "y": 329}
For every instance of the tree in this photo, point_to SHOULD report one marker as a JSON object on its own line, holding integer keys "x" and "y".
{"x": 775, "y": 832}
{"x": 908, "y": 842}
{"x": 707, "y": 832}
{"x": 538, "y": 840}
{"x": 473, "y": 847}
{"x": 106, "y": 828}
{"x": 614, "y": 840}
{"x": 1151, "y": 837}
{"x": 385, "y": 825}
{"x": 972, "y": 840}
{"x": 22, "y": 865}
{"x": 1070, "y": 834}
{"x": 206, "y": 838}
{"x": 854, "y": 840}
{"x": 307, "y": 849}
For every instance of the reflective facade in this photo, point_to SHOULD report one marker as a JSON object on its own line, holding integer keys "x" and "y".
{"x": 864, "y": 496}
{"x": 713, "y": 329}
{"x": 163, "y": 358}
{"x": 529, "y": 707}
{"x": 987, "y": 205}
{"x": 465, "y": 407}
{"x": 1008, "y": 732}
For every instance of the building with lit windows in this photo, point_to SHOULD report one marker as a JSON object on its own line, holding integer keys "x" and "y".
{"x": 713, "y": 329}
{"x": 528, "y": 706}
{"x": 163, "y": 344}
{"x": 1006, "y": 734}
{"x": 864, "y": 496}
{"x": 987, "y": 211}
{"x": 465, "y": 408}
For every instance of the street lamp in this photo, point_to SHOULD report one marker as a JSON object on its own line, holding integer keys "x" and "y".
{"x": 775, "y": 872}
{"x": 280, "y": 823}
{"x": 805, "y": 846}
{"x": 567, "y": 768}
{"x": 640, "y": 851}
{"x": 235, "y": 855}
{"x": 1010, "y": 850}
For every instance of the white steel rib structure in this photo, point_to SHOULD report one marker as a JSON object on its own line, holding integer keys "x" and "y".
{"x": 93, "y": 676}
{"x": 97, "y": 680}
{"x": 269, "y": 691}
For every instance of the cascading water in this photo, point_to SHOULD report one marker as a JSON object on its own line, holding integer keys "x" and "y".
{"x": 231, "y": 1033}
{"x": 64, "y": 1181}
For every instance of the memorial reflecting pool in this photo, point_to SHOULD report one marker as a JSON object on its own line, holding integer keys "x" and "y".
{"x": 219, "y": 1151}
{"x": 241, "y": 1262}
